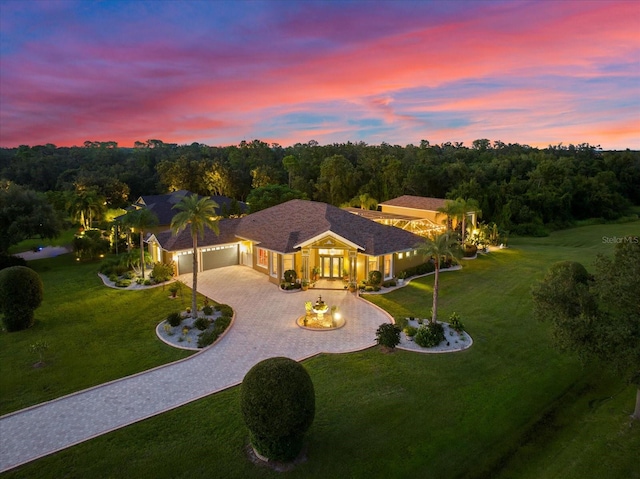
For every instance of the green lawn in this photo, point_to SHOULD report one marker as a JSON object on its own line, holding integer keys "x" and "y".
{"x": 509, "y": 407}
{"x": 64, "y": 239}
{"x": 94, "y": 333}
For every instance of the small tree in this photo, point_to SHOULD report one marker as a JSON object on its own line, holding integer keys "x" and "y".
{"x": 21, "y": 293}
{"x": 39, "y": 348}
{"x": 277, "y": 400}
{"x": 597, "y": 317}
{"x": 388, "y": 335}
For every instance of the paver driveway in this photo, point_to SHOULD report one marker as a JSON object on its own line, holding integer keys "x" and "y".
{"x": 264, "y": 327}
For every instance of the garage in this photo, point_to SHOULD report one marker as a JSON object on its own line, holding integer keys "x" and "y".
{"x": 185, "y": 263}
{"x": 219, "y": 256}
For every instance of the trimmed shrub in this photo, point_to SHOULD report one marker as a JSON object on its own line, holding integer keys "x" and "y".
{"x": 6, "y": 261}
{"x": 455, "y": 323}
{"x": 390, "y": 283}
{"x": 123, "y": 283}
{"x": 219, "y": 326}
{"x": 290, "y": 275}
{"x": 201, "y": 323}
{"x": 470, "y": 250}
{"x": 174, "y": 319}
{"x": 163, "y": 272}
{"x": 410, "y": 331}
{"x": 375, "y": 278}
{"x": 21, "y": 294}
{"x": 225, "y": 309}
{"x": 388, "y": 335}
{"x": 277, "y": 401}
{"x": 429, "y": 335}
{"x": 207, "y": 310}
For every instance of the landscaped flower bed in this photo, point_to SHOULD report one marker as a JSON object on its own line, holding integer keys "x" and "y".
{"x": 182, "y": 331}
{"x": 448, "y": 340}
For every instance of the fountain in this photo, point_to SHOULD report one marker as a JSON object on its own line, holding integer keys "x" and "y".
{"x": 320, "y": 317}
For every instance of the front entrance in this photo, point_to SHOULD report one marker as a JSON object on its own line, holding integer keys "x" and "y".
{"x": 331, "y": 267}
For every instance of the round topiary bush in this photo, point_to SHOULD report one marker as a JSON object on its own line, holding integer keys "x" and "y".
{"x": 20, "y": 295}
{"x": 375, "y": 278}
{"x": 277, "y": 401}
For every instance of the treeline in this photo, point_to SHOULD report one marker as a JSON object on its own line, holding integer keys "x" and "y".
{"x": 521, "y": 188}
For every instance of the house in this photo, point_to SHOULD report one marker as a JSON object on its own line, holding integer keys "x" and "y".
{"x": 297, "y": 235}
{"x": 162, "y": 206}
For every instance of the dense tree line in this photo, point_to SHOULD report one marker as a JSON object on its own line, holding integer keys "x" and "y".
{"x": 521, "y": 188}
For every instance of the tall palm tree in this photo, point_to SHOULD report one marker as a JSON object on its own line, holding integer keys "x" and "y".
{"x": 141, "y": 220}
{"x": 444, "y": 245}
{"x": 198, "y": 213}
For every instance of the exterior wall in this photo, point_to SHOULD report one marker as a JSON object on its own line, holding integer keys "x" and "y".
{"x": 408, "y": 260}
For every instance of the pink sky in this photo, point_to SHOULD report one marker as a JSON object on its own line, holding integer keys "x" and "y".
{"x": 532, "y": 72}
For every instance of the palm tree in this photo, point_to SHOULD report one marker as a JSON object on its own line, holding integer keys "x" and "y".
{"x": 198, "y": 213}
{"x": 83, "y": 203}
{"x": 364, "y": 201}
{"x": 452, "y": 209}
{"x": 442, "y": 246}
{"x": 141, "y": 220}
{"x": 459, "y": 209}
{"x": 467, "y": 206}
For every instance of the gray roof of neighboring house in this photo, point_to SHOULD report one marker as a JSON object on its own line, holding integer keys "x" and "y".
{"x": 284, "y": 227}
{"x": 162, "y": 205}
{"x": 415, "y": 202}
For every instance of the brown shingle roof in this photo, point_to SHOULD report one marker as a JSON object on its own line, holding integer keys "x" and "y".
{"x": 416, "y": 202}
{"x": 283, "y": 227}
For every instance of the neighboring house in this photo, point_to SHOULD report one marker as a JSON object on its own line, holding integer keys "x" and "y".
{"x": 300, "y": 235}
{"x": 162, "y": 206}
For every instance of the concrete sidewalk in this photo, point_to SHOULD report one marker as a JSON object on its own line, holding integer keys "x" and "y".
{"x": 264, "y": 327}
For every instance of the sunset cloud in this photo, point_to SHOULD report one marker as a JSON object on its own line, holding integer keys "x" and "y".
{"x": 220, "y": 72}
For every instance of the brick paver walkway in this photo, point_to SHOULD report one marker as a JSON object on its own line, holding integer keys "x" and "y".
{"x": 264, "y": 327}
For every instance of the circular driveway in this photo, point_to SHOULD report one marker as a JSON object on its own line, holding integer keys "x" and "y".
{"x": 264, "y": 327}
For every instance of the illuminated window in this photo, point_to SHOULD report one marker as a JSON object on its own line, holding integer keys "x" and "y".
{"x": 287, "y": 262}
{"x": 387, "y": 266}
{"x": 263, "y": 258}
{"x": 400, "y": 255}
{"x": 373, "y": 264}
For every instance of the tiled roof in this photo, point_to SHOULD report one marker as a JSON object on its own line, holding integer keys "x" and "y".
{"x": 162, "y": 205}
{"x": 416, "y": 202}
{"x": 283, "y": 227}
{"x": 183, "y": 240}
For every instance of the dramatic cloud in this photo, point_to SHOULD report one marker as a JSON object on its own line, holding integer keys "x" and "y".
{"x": 220, "y": 72}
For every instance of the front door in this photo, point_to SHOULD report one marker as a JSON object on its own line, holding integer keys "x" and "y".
{"x": 331, "y": 267}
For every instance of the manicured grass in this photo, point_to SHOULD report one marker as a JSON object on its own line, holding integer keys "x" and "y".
{"x": 510, "y": 406}
{"x": 64, "y": 239}
{"x": 94, "y": 333}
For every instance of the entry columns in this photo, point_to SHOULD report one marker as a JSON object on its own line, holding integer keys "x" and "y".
{"x": 305, "y": 264}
